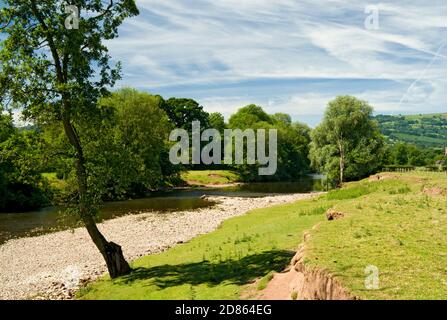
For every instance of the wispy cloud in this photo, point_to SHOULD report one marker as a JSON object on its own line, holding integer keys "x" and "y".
{"x": 290, "y": 56}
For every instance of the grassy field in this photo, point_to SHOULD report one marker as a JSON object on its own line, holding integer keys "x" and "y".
{"x": 219, "y": 265}
{"x": 398, "y": 224}
{"x": 209, "y": 177}
{"x": 415, "y": 139}
{"x": 426, "y": 115}
{"x": 192, "y": 178}
{"x": 425, "y": 130}
{"x": 397, "y": 227}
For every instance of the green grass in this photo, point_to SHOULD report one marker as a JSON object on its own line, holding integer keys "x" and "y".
{"x": 424, "y": 130}
{"x": 390, "y": 223}
{"x": 426, "y": 115}
{"x": 419, "y": 139}
{"x": 351, "y": 191}
{"x": 210, "y": 177}
{"x": 56, "y": 183}
{"x": 219, "y": 265}
{"x": 397, "y": 228}
{"x": 263, "y": 282}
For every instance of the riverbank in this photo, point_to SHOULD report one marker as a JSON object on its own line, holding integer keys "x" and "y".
{"x": 52, "y": 266}
{"x": 379, "y": 238}
{"x": 210, "y": 178}
{"x": 392, "y": 244}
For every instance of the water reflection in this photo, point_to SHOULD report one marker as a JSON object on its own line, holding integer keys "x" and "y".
{"x": 14, "y": 225}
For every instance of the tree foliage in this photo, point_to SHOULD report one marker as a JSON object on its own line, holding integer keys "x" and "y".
{"x": 293, "y": 141}
{"x": 347, "y": 145}
{"x": 217, "y": 121}
{"x": 403, "y": 154}
{"x": 22, "y": 187}
{"x": 131, "y": 156}
{"x": 57, "y": 74}
{"x": 182, "y": 112}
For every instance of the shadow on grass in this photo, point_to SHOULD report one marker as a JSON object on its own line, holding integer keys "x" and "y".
{"x": 239, "y": 272}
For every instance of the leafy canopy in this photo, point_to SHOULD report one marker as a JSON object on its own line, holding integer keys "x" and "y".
{"x": 42, "y": 63}
{"x": 349, "y": 135}
{"x": 292, "y": 147}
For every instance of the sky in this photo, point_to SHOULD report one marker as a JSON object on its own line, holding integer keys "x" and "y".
{"x": 290, "y": 56}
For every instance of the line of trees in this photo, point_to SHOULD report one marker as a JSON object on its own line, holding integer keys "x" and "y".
{"x": 126, "y": 149}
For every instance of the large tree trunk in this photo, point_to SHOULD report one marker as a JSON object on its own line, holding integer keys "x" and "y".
{"x": 112, "y": 253}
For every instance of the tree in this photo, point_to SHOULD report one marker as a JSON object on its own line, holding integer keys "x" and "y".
{"x": 57, "y": 74}
{"x": 182, "y": 112}
{"x": 292, "y": 144}
{"x": 249, "y": 115}
{"x": 347, "y": 144}
{"x": 217, "y": 121}
{"x": 132, "y": 143}
{"x": 282, "y": 117}
{"x": 6, "y": 126}
{"x": 22, "y": 187}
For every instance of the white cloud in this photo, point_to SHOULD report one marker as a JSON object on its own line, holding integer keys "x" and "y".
{"x": 195, "y": 43}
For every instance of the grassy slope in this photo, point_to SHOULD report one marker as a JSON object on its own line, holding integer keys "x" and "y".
{"x": 397, "y": 228}
{"x": 415, "y": 132}
{"x": 429, "y": 115}
{"x": 209, "y": 177}
{"x": 219, "y": 265}
{"x": 390, "y": 224}
{"x": 415, "y": 139}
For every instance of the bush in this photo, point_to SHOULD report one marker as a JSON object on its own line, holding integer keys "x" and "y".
{"x": 22, "y": 187}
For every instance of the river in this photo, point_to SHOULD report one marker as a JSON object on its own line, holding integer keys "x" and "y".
{"x": 17, "y": 225}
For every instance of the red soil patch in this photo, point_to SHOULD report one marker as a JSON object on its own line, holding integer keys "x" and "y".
{"x": 433, "y": 191}
{"x": 301, "y": 282}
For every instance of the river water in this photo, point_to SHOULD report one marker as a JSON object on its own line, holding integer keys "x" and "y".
{"x": 16, "y": 225}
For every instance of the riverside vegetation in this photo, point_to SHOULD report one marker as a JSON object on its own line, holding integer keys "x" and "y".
{"x": 396, "y": 222}
{"x": 103, "y": 145}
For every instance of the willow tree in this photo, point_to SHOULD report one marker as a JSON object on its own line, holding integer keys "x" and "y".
{"x": 54, "y": 67}
{"x": 348, "y": 143}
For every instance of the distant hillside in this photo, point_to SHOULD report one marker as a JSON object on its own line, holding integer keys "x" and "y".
{"x": 425, "y": 130}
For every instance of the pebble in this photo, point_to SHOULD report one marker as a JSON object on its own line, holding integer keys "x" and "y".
{"x": 55, "y": 265}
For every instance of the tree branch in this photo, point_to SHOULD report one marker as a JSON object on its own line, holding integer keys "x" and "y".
{"x": 107, "y": 10}
{"x": 7, "y": 24}
{"x": 50, "y": 40}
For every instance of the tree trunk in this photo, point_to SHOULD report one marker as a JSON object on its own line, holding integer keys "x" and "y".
{"x": 112, "y": 253}
{"x": 342, "y": 168}
{"x": 341, "y": 162}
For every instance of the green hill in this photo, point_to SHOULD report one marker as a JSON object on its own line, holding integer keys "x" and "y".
{"x": 425, "y": 130}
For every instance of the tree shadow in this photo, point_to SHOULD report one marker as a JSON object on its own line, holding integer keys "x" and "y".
{"x": 239, "y": 272}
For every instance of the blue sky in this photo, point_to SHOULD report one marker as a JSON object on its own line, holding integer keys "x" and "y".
{"x": 288, "y": 56}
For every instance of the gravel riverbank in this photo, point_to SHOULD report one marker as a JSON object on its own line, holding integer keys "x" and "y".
{"x": 52, "y": 266}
